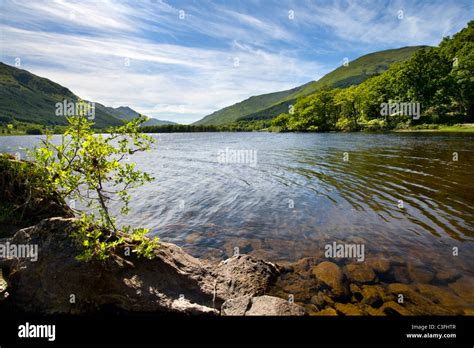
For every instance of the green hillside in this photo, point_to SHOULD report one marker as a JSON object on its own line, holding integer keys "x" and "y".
{"x": 246, "y": 107}
{"x": 25, "y": 97}
{"x": 267, "y": 106}
{"x": 436, "y": 83}
{"x": 126, "y": 113}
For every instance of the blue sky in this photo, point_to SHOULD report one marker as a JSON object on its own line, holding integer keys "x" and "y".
{"x": 181, "y": 60}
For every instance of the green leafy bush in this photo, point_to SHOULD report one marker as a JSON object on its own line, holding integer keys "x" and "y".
{"x": 94, "y": 169}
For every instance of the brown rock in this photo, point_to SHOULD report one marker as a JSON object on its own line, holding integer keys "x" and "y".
{"x": 419, "y": 275}
{"x": 373, "y": 311}
{"x": 173, "y": 281}
{"x": 329, "y": 312}
{"x": 348, "y": 309}
{"x": 236, "y": 306}
{"x": 393, "y": 308}
{"x": 185, "y": 306}
{"x": 373, "y": 295}
{"x": 360, "y": 273}
{"x": 330, "y": 274}
{"x": 442, "y": 297}
{"x": 400, "y": 274}
{"x": 269, "y": 305}
{"x": 469, "y": 311}
{"x": 448, "y": 275}
{"x": 321, "y": 300}
{"x": 356, "y": 292}
{"x": 379, "y": 265}
{"x": 418, "y": 304}
{"x": 464, "y": 288}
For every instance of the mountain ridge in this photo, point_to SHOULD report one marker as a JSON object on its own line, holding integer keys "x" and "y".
{"x": 269, "y": 105}
{"x": 29, "y": 98}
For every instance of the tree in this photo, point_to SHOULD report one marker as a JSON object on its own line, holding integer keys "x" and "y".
{"x": 94, "y": 169}
{"x": 281, "y": 122}
{"x": 346, "y": 101}
{"x": 315, "y": 112}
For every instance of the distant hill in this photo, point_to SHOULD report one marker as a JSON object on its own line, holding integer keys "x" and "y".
{"x": 30, "y": 98}
{"x": 269, "y": 105}
{"x": 128, "y": 114}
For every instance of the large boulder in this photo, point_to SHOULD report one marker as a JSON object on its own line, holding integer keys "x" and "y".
{"x": 261, "y": 306}
{"x": 330, "y": 274}
{"x": 360, "y": 273}
{"x": 173, "y": 281}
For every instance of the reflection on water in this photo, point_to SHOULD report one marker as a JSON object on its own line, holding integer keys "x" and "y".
{"x": 402, "y": 195}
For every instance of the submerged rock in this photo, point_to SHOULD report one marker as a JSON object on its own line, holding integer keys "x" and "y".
{"x": 360, "y": 273}
{"x": 373, "y": 295}
{"x": 419, "y": 274}
{"x": 173, "y": 281}
{"x": 331, "y": 274}
{"x": 379, "y": 265}
{"x": 321, "y": 300}
{"x": 349, "y": 309}
{"x": 393, "y": 308}
{"x": 464, "y": 288}
{"x": 327, "y": 312}
{"x": 261, "y": 306}
{"x": 448, "y": 275}
{"x": 400, "y": 274}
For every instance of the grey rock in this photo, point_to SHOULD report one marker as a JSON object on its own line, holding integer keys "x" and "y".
{"x": 261, "y": 306}
{"x": 173, "y": 281}
{"x": 236, "y": 306}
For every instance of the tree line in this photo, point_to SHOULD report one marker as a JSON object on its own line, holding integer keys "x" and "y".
{"x": 240, "y": 126}
{"x": 434, "y": 86}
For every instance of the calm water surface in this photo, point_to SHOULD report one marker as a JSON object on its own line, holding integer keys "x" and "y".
{"x": 307, "y": 190}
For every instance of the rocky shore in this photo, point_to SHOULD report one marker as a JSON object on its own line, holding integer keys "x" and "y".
{"x": 174, "y": 282}
{"x": 376, "y": 287}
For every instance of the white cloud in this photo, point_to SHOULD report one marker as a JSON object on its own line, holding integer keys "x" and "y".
{"x": 186, "y": 83}
{"x": 183, "y": 69}
{"x": 393, "y": 23}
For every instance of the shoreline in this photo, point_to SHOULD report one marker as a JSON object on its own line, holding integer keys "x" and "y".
{"x": 463, "y": 128}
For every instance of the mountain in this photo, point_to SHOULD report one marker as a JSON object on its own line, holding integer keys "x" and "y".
{"x": 156, "y": 122}
{"x": 269, "y": 105}
{"x": 30, "y": 98}
{"x": 128, "y": 114}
